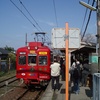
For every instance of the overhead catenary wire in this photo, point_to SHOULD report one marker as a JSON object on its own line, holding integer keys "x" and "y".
{"x": 56, "y": 20}
{"x": 30, "y": 14}
{"x": 55, "y": 13}
{"x": 27, "y": 17}
{"x": 87, "y": 21}
{"x": 24, "y": 14}
{"x": 84, "y": 17}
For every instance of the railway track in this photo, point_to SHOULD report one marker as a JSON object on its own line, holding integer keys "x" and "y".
{"x": 23, "y": 94}
{"x": 19, "y": 92}
{"x": 7, "y": 81}
{"x": 29, "y": 95}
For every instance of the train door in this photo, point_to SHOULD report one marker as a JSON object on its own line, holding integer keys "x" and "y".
{"x": 33, "y": 68}
{"x": 32, "y": 59}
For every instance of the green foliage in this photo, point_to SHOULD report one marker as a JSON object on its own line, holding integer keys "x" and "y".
{"x": 6, "y": 75}
{"x": 2, "y": 73}
{"x": 9, "y": 48}
{"x": 12, "y": 57}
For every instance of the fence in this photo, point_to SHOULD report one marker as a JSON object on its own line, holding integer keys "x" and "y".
{"x": 96, "y": 86}
{"x": 4, "y": 66}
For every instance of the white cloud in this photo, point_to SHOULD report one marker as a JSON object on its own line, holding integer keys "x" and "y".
{"x": 48, "y": 23}
{"x": 51, "y": 23}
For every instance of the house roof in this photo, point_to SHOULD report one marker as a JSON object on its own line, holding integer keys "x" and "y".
{"x": 3, "y": 51}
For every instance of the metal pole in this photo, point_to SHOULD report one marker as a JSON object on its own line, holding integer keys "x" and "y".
{"x": 98, "y": 32}
{"x": 67, "y": 63}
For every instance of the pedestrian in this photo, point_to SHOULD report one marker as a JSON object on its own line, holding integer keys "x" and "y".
{"x": 79, "y": 69}
{"x": 55, "y": 73}
{"x": 76, "y": 78}
{"x": 62, "y": 72}
{"x": 85, "y": 72}
{"x": 71, "y": 70}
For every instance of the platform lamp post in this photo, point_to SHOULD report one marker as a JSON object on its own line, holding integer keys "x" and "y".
{"x": 98, "y": 25}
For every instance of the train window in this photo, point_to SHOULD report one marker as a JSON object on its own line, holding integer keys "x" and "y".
{"x": 32, "y": 59}
{"x": 22, "y": 60}
{"x": 42, "y": 60}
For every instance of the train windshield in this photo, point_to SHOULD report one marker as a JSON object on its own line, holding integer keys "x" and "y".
{"x": 32, "y": 59}
{"x": 42, "y": 60}
{"x": 22, "y": 60}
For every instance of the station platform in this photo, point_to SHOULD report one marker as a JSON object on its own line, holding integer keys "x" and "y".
{"x": 85, "y": 93}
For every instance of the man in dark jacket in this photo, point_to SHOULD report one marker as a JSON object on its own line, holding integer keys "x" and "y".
{"x": 76, "y": 78}
{"x": 85, "y": 73}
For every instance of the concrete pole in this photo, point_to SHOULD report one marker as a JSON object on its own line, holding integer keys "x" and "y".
{"x": 9, "y": 64}
{"x": 98, "y": 32}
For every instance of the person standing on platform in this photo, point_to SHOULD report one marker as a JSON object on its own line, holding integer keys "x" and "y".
{"x": 62, "y": 68}
{"x": 72, "y": 70}
{"x": 85, "y": 73}
{"x": 55, "y": 73}
{"x": 76, "y": 78}
{"x": 79, "y": 69}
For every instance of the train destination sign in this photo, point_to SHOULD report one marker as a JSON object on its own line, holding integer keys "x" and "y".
{"x": 43, "y": 53}
{"x": 32, "y": 51}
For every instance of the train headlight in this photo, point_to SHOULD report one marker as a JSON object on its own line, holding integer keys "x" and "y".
{"x": 28, "y": 47}
{"x": 36, "y": 47}
{"x": 23, "y": 74}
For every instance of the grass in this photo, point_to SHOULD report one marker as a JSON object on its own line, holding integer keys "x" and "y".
{"x": 5, "y": 75}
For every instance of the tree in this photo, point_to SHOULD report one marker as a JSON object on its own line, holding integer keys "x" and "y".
{"x": 11, "y": 60}
{"x": 9, "y": 48}
{"x": 90, "y": 38}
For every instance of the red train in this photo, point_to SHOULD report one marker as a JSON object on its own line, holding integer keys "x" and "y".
{"x": 33, "y": 63}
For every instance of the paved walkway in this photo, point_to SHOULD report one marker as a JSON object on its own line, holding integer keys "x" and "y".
{"x": 85, "y": 93}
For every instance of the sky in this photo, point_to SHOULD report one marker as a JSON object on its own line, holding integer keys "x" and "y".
{"x": 48, "y": 14}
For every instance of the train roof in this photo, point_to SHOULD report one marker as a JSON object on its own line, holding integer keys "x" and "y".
{"x": 34, "y": 45}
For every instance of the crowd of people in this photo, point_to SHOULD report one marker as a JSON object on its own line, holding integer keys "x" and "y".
{"x": 79, "y": 72}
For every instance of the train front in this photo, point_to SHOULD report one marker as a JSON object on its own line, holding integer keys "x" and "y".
{"x": 33, "y": 64}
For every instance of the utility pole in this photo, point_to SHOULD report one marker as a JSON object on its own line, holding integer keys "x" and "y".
{"x": 98, "y": 32}
{"x": 97, "y": 9}
{"x": 26, "y": 40}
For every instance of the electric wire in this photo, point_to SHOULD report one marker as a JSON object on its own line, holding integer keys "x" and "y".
{"x": 23, "y": 14}
{"x": 55, "y": 13}
{"x": 87, "y": 21}
{"x": 84, "y": 17}
{"x": 26, "y": 16}
{"x": 30, "y": 14}
{"x": 56, "y": 21}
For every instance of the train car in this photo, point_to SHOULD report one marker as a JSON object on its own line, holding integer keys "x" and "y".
{"x": 33, "y": 63}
